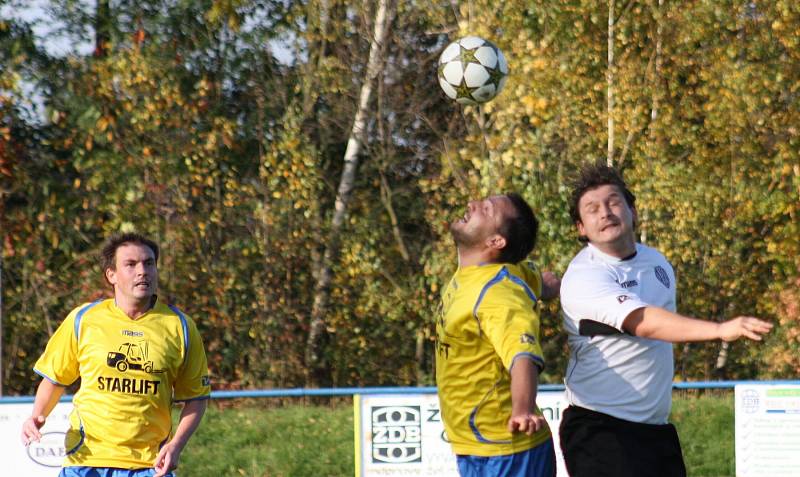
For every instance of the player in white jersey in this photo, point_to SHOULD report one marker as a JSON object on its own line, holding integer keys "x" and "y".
{"x": 618, "y": 303}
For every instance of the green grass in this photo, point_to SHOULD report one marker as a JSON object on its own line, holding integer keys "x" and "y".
{"x": 706, "y": 429}
{"x": 257, "y": 439}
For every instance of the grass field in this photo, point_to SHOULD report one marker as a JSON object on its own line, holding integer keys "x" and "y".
{"x": 258, "y": 439}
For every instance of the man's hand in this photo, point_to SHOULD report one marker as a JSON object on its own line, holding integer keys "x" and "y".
{"x": 527, "y": 423}
{"x": 30, "y": 429}
{"x": 551, "y": 286}
{"x": 746, "y": 326}
{"x": 167, "y": 459}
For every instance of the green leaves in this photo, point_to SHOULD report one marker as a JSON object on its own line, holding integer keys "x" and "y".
{"x": 190, "y": 130}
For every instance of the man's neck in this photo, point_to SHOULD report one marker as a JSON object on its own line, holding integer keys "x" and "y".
{"x": 617, "y": 250}
{"x": 135, "y": 309}
{"x": 468, "y": 258}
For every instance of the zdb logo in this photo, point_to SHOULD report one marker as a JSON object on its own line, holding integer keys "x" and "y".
{"x": 396, "y": 434}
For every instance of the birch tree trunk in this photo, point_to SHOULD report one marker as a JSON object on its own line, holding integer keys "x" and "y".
{"x": 610, "y": 85}
{"x": 315, "y": 369}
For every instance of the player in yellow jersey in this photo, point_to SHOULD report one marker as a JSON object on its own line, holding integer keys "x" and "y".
{"x": 488, "y": 353}
{"x": 135, "y": 356}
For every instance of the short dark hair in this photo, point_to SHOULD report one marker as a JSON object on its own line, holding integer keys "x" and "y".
{"x": 109, "y": 254}
{"x": 592, "y": 176}
{"x": 519, "y": 230}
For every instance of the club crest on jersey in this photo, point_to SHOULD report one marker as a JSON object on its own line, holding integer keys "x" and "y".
{"x": 662, "y": 276}
{"x": 527, "y": 338}
{"x": 623, "y": 298}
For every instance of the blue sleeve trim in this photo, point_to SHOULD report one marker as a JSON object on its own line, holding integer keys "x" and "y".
{"x": 49, "y": 378}
{"x": 519, "y": 281}
{"x": 503, "y": 273}
{"x": 199, "y": 398}
{"x": 185, "y": 327}
{"x": 537, "y": 360}
{"x": 79, "y": 317}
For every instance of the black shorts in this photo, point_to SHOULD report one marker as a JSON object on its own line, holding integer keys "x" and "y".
{"x": 598, "y": 445}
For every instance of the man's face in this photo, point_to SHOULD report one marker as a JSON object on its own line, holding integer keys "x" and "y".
{"x": 606, "y": 218}
{"x": 481, "y": 221}
{"x": 135, "y": 276}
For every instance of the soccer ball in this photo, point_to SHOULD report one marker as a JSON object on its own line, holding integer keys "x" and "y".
{"x": 472, "y": 70}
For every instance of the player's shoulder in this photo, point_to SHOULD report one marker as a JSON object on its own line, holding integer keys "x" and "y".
{"x": 173, "y": 310}
{"x": 650, "y": 253}
{"x": 585, "y": 264}
{"x": 509, "y": 285}
{"x": 86, "y": 307}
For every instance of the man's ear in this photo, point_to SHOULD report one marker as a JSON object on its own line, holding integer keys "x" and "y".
{"x": 111, "y": 276}
{"x": 581, "y": 228}
{"x": 635, "y": 217}
{"x": 496, "y": 242}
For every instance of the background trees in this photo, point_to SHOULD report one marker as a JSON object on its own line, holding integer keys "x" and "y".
{"x": 220, "y": 128}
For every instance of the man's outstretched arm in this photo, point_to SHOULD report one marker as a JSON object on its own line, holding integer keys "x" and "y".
{"x": 657, "y": 323}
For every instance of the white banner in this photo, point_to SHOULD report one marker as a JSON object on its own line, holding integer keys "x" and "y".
{"x": 767, "y": 430}
{"x": 40, "y": 459}
{"x": 403, "y": 435}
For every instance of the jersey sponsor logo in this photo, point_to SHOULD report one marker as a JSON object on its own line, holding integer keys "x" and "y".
{"x": 629, "y": 284}
{"x": 133, "y": 334}
{"x": 396, "y": 434}
{"x": 623, "y": 298}
{"x": 527, "y": 338}
{"x": 662, "y": 276}
{"x": 205, "y": 380}
{"x": 127, "y": 385}
{"x": 133, "y": 356}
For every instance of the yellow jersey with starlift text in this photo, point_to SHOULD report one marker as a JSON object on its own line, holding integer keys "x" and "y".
{"x": 488, "y": 319}
{"x": 131, "y": 372}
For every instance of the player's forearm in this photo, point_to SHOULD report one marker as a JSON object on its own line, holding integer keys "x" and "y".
{"x": 47, "y": 396}
{"x": 660, "y": 324}
{"x": 191, "y": 415}
{"x": 524, "y": 384}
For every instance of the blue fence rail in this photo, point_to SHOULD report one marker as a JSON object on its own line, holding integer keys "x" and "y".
{"x": 331, "y": 392}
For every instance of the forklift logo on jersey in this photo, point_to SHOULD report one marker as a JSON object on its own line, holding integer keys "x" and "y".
{"x": 132, "y": 356}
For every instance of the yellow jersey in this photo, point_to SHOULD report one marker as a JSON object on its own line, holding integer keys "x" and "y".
{"x": 488, "y": 319}
{"x": 131, "y": 371}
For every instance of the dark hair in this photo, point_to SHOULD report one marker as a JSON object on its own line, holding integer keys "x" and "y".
{"x": 592, "y": 176}
{"x": 109, "y": 254}
{"x": 519, "y": 230}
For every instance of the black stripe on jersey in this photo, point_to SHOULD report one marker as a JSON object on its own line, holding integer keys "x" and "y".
{"x": 596, "y": 328}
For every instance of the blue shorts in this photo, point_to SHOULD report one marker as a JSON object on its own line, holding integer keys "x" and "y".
{"x": 75, "y": 471}
{"x": 537, "y": 462}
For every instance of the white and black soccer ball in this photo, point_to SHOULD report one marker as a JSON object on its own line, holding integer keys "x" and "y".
{"x": 472, "y": 70}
